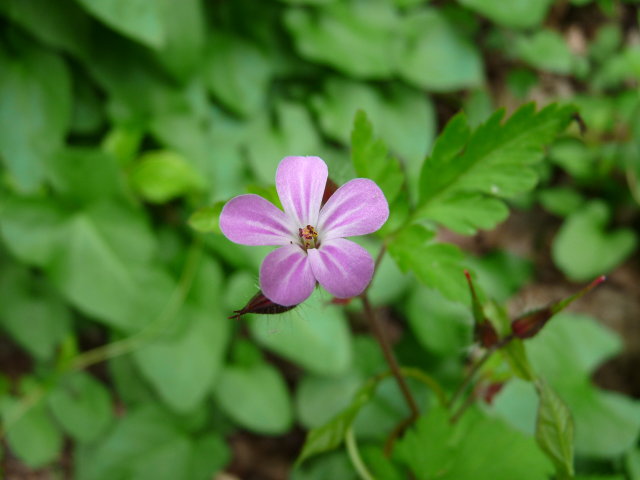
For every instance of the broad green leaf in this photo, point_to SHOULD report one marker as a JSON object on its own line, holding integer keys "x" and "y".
{"x": 437, "y": 265}
{"x": 32, "y": 228}
{"x": 440, "y": 325}
{"x": 85, "y": 175}
{"x": 330, "y": 465}
{"x": 206, "y": 219}
{"x": 123, "y": 143}
{"x": 468, "y": 174}
{"x": 545, "y": 50}
{"x": 145, "y": 444}
{"x": 32, "y": 313}
{"x": 256, "y": 398}
{"x": 561, "y": 201}
{"x": 315, "y": 336}
{"x": 632, "y": 462}
{"x": 404, "y": 117}
{"x": 207, "y": 288}
{"x": 184, "y": 24}
{"x": 565, "y": 353}
{"x": 183, "y": 367}
{"x": 477, "y": 446}
{"x": 140, "y": 20}
{"x": 237, "y": 73}
{"x": 210, "y": 454}
{"x": 295, "y": 132}
{"x": 371, "y": 160}
{"x": 31, "y": 435}
{"x": 357, "y": 38}
{"x": 330, "y": 435}
{"x": 583, "y": 249}
{"x": 61, "y": 24}
{"x": 436, "y": 56}
{"x": 318, "y": 399}
{"x": 105, "y": 256}
{"x": 162, "y": 175}
{"x": 501, "y": 273}
{"x": 35, "y": 85}
{"x": 82, "y": 406}
{"x": 554, "y": 429}
{"x": 516, "y": 13}
{"x": 128, "y": 382}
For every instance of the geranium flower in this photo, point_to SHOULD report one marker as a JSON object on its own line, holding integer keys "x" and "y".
{"x": 311, "y": 239}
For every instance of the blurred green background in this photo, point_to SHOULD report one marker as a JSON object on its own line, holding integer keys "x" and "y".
{"x": 121, "y": 118}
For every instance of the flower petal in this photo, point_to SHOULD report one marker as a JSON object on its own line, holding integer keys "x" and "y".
{"x": 358, "y": 207}
{"x": 342, "y": 267}
{"x": 286, "y": 277}
{"x": 252, "y": 220}
{"x": 300, "y": 183}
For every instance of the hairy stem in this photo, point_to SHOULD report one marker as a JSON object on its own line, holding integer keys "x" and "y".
{"x": 378, "y": 332}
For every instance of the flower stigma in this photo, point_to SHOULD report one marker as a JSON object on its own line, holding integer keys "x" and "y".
{"x": 308, "y": 235}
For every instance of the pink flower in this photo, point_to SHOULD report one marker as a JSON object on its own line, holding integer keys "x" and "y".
{"x": 311, "y": 239}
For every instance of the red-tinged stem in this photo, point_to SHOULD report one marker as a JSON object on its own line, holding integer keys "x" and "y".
{"x": 565, "y": 303}
{"x": 378, "y": 332}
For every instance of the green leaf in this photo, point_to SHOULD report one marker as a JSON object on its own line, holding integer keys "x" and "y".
{"x": 440, "y": 325}
{"x": 206, "y": 219}
{"x": 294, "y": 132}
{"x": 545, "y": 50}
{"x": 140, "y": 20}
{"x": 357, "y": 38}
{"x": 561, "y": 201}
{"x": 163, "y": 175}
{"x": 184, "y": 24}
{"x": 256, "y": 398}
{"x": 32, "y": 435}
{"x": 85, "y": 175}
{"x": 32, "y": 228}
{"x": 210, "y": 454}
{"x": 318, "y": 399}
{"x": 371, "y": 160}
{"x": 330, "y": 435}
{"x": 183, "y": 367}
{"x": 35, "y": 85}
{"x": 316, "y": 336}
{"x": 62, "y": 24}
{"x": 404, "y": 117}
{"x": 238, "y": 73}
{"x": 468, "y": 174}
{"x": 436, "y": 56}
{"x": 582, "y": 234}
{"x": 477, "y": 446}
{"x": 437, "y": 265}
{"x": 82, "y": 406}
{"x": 554, "y": 429}
{"x": 32, "y": 313}
{"x": 632, "y": 462}
{"x": 145, "y": 444}
{"x": 516, "y": 14}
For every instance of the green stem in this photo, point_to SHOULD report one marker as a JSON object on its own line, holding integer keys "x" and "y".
{"x": 354, "y": 456}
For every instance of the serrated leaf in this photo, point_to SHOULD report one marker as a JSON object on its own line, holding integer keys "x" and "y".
{"x": 583, "y": 249}
{"x": 82, "y": 406}
{"x": 330, "y": 435}
{"x": 437, "y": 265}
{"x": 477, "y": 446}
{"x": 464, "y": 182}
{"x": 554, "y": 429}
{"x": 371, "y": 159}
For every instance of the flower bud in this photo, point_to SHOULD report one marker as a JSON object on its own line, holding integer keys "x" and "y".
{"x": 483, "y": 330}
{"x": 529, "y": 324}
{"x": 261, "y": 305}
